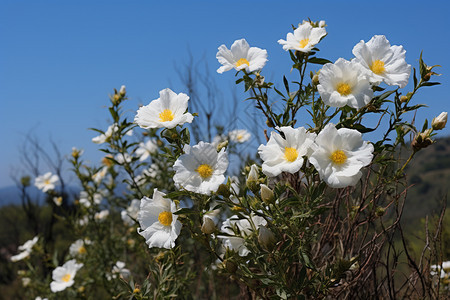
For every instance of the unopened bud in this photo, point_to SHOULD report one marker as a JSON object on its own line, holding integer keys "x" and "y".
{"x": 81, "y": 289}
{"x": 440, "y": 121}
{"x": 380, "y": 211}
{"x": 122, "y": 91}
{"x": 252, "y": 178}
{"x": 403, "y": 99}
{"x": 266, "y": 238}
{"x": 116, "y": 99}
{"x": 315, "y": 79}
{"x": 322, "y": 23}
{"x": 266, "y": 194}
{"x": 76, "y": 152}
{"x": 427, "y": 76}
{"x": 230, "y": 266}
{"x": 222, "y": 145}
{"x": 422, "y": 140}
{"x": 269, "y": 123}
{"x": 224, "y": 190}
{"x": 25, "y": 180}
{"x": 208, "y": 226}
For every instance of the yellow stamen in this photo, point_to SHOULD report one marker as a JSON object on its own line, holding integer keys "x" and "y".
{"x": 205, "y": 171}
{"x": 303, "y": 43}
{"x": 166, "y": 115}
{"x": 66, "y": 278}
{"x": 290, "y": 154}
{"x": 165, "y": 218}
{"x": 378, "y": 67}
{"x": 82, "y": 250}
{"x": 47, "y": 182}
{"x": 241, "y": 62}
{"x": 344, "y": 89}
{"x": 338, "y": 157}
{"x": 239, "y": 137}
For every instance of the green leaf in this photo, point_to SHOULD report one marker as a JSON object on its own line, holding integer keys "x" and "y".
{"x": 430, "y": 83}
{"x": 318, "y": 61}
{"x": 286, "y": 84}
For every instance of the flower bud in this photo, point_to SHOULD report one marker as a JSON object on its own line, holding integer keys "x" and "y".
{"x": 222, "y": 145}
{"x": 322, "y": 23}
{"x": 252, "y": 178}
{"x": 266, "y": 194}
{"x": 266, "y": 238}
{"x": 25, "y": 180}
{"x": 208, "y": 226}
{"x": 422, "y": 140}
{"x": 403, "y": 99}
{"x": 122, "y": 91}
{"x": 315, "y": 79}
{"x": 230, "y": 266}
{"x": 427, "y": 76}
{"x": 223, "y": 190}
{"x": 58, "y": 200}
{"x": 440, "y": 121}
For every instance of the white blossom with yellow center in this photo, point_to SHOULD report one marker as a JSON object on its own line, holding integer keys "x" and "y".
{"x": 239, "y": 135}
{"x": 46, "y": 182}
{"x": 158, "y": 223}
{"x": 241, "y": 56}
{"x": 383, "y": 62}
{"x": 63, "y": 276}
{"x": 168, "y": 111}
{"x": 344, "y": 83}
{"x": 339, "y": 156}
{"x": 78, "y": 248}
{"x": 201, "y": 169}
{"x": 26, "y": 249}
{"x": 304, "y": 38}
{"x": 286, "y": 154}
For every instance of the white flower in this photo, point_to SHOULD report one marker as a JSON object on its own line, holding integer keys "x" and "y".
{"x": 304, "y": 38}
{"x": 83, "y": 221}
{"x": 440, "y": 121}
{"x": 241, "y": 56}
{"x": 159, "y": 226}
{"x": 26, "y": 281}
{"x": 146, "y": 149}
{"x": 58, "y": 200}
{"x": 119, "y": 269}
{"x": 234, "y": 188}
{"x": 344, "y": 83}
{"x": 201, "y": 168}
{"x": 40, "y": 298}
{"x": 239, "y": 135}
{"x": 168, "y": 111}
{"x": 77, "y": 248}
{"x": 340, "y": 155}
{"x": 123, "y": 158}
{"x": 384, "y": 62}
{"x": 322, "y": 23}
{"x": 46, "y": 182}
{"x": 218, "y": 139}
{"x": 151, "y": 172}
{"x": 131, "y": 213}
{"x": 85, "y": 199}
{"x": 104, "y": 137}
{"x": 285, "y": 154}
{"x": 123, "y": 90}
{"x": 245, "y": 226}
{"x": 98, "y": 177}
{"x": 26, "y": 249}
{"x": 63, "y": 276}
{"x": 102, "y": 215}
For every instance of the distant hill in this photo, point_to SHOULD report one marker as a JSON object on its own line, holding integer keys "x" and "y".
{"x": 12, "y": 194}
{"x": 429, "y": 172}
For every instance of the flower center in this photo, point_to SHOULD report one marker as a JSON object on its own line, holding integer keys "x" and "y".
{"x": 338, "y": 157}
{"x": 82, "y": 250}
{"x": 242, "y": 61}
{"x": 378, "y": 67}
{"x": 165, "y": 218}
{"x": 303, "y": 43}
{"x": 239, "y": 137}
{"x": 204, "y": 170}
{"x": 290, "y": 154}
{"x": 344, "y": 89}
{"x": 66, "y": 278}
{"x": 47, "y": 181}
{"x": 166, "y": 115}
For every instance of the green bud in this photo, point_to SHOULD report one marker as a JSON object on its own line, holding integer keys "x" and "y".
{"x": 267, "y": 195}
{"x": 25, "y": 180}
{"x": 266, "y": 238}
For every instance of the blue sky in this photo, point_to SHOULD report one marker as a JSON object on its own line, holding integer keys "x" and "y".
{"x": 60, "y": 59}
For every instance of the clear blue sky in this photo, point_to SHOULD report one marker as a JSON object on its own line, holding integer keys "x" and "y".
{"x": 60, "y": 59}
